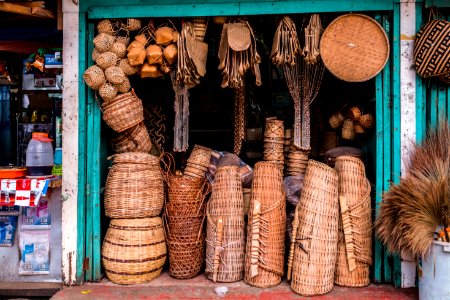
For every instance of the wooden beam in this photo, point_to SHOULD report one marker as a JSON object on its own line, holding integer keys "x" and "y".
{"x": 27, "y": 11}
{"x": 33, "y": 4}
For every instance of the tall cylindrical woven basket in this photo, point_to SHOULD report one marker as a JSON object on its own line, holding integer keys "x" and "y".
{"x": 225, "y": 243}
{"x": 315, "y": 228}
{"x": 134, "y": 187}
{"x": 264, "y": 258}
{"x": 355, "y": 242}
{"x": 134, "y": 250}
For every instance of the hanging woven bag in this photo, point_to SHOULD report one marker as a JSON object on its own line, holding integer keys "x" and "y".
{"x": 123, "y": 112}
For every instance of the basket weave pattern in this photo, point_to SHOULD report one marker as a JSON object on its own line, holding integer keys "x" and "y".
{"x": 354, "y": 186}
{"x": 124, "y": 112}
{"x": 134, "y": 250}
{"x": 264, "y": 259}
{"x": 134, "y": 187}
{"x": 315, "y": 230}
{"x": 225, "y": 248}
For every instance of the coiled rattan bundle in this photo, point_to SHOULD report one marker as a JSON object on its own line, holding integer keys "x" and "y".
{"x": 134, "y": 187}
{"x": 225, "y": 243}
{"x": 312, "y": 256}
{"x": 355, "y": 227}
{"x": 134, "y": 250}
{"x": 264, "y": 258}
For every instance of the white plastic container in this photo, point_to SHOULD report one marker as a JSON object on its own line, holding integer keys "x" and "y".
{"x": 39, "y": 159}
{"x": 434, "y": 284}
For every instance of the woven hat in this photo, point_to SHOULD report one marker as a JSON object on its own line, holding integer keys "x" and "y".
{"x": 432, "y": 49}
{"x": 239, "y": 36}
{"x": 354, "y": 48}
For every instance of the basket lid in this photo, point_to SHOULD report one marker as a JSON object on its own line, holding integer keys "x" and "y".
{"x": 134, "y": 158}
{"x": 354, "y": 48}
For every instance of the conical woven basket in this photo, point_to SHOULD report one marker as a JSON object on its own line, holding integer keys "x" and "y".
{"x": 315, "y": 228}
{"x": 135, "y": 139}
{"x": 264, "y": 258}
{"x": 134, "y": 187}
{"x": 225, "y": 245}
{"x": 123, "y": 112}
{"x": 356, "y": 244}
{"x": 134, "y": 250}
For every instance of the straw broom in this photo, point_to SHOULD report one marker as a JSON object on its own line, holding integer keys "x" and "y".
{"x": 412, "y": 210}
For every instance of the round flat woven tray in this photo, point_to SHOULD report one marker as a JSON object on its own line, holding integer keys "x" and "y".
{"x": 354, "y": 47}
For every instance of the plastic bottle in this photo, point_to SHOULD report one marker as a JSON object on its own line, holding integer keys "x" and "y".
{"x": 39, "y": 160}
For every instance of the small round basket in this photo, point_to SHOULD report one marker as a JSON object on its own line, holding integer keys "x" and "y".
{"x": 107, "y": 91}
{"x": 125, "y": 86}
{"x": 133, "y": 24}
{"x": 103, "y": 42}
{"x": 336, "y": 120}
{"x": 354, "y": 48}
{"x": 105, "y": 26}
{"x": 94, "y": 77}
{"x": 127, "y": 68}
{"x": 274, "y": 129}
{"x": 366, "y": 121}
{"x": 354, "y": 113}
{"x": 106, "y": 60}
{"x": 115, "y": 75}
{"x": 123, "y": 112}
{"x": 119, "y": 49}
{"x": 348, "y": 130}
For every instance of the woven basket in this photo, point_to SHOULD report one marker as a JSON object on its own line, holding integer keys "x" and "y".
{"x": 123, "y": 39}
{"x": 266, "y": 228}
{"x": 200, "y": 156}
{"x": 186, "y": 196}
{"x": 348, "y": 130}
{"x": 200, "y": 24}
{"x": 135, "y": 139}
{"x": 359, "y": 129}
{"x": 115, "y": 75}
{"x": 274, "y": 129}
{"x": 103, "y": 42}
{"x": 332, "y": 154}
{"x": 134, "y": 250}
{"x": 124, "y": 87}
{"x": 366, "y": 121}
{"x": 105, "y": 26}
{"x": 119, "y": 49}
{"x": 127, "y": 69}
{"x": 355, "y": 244}
{"x": 164, "y": 35}
{"x": 354, "y": 113}
{"x": 445, "y": 78}
{"x": 134, "y": 187}
{"x": 95, "y": 54}
{"x": 315, "y": 228}
{"x": 432, "y": 49}
{"x": 336, "y": 120}
{"x": 354, "y": 47}
{"x": 225, "y": 244}
{"x": 106, "y": 60}
{"x": 94, "y": 77}
{"x": 124, "y": 112}
{"x": 186, "y": 258}
{"x": 107, "y": 91}
{"x": 133, "y": 24}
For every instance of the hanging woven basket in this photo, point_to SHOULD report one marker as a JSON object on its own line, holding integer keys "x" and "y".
{"x": 135, "y": 139}
{"x": 123, "y": 112}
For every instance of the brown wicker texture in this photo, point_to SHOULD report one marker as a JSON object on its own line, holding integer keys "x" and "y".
{"x": 133, "y": 24}
{"x": 135, "y": 139}
{"x": 354, "y": 47}
{"x": 103, "y": 42}
{"x": 297, "y": 161}
{"x": 134, "y": 187}
{"x": 106, "y": 60}
{"x": 315, "y": 228}
{"x": 274, "y": 129}
{"x": 225, "y": 244}
{"x": 186, "y": 258}
{"x": 105, "y": 26}
{"x": 348, "y": 130}
{"x": 200, "y": 155}
{"x": 119, "y": 49}
{"x": 124, "y": 112}
{"x": 354, "y": 113}
{"x": 95, "y": 54}
{"x": 366, "y": 121}
{"x": 127, "y": 69}
{"x": 134, "y": 250}
{"x": 125, "y": 86}
{"x": 336, "y": 120}
{"x": 354, "y": 186}
{"x": 108, "y": 91}
{"x": 94, "y": 77}
{"x": 332, "y": 154}
{"x": 115, "y": 75}
{"x": 266, "y": 230}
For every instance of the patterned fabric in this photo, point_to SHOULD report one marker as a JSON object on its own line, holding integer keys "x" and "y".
{"x": 22, "y": 192}
{"x": 432, "y": 49}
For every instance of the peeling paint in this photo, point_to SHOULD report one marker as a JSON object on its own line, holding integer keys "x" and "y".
{"x": 404, "y": 37}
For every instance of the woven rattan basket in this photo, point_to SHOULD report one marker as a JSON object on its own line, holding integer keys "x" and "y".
{"x": 315, "y": 228}
{"x": 274, "y": 129}
{"x": 94, "y": 77}
{"x": 124, "y": 112}
{"x": 225, "y": 245}
{"x": 135, "y": 139}
{"x": 354, "y": 47}
{"x": 186, "y": 258}
{"x": 355, "y": 243}
{"x": 134, "y": 250}
{"x": 264, "y": 258}
{"x": 134, "y": 187}
{"x": 332, "y": 154}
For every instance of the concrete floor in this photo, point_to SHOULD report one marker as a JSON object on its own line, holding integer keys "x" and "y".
{"x": 165, "y": 287}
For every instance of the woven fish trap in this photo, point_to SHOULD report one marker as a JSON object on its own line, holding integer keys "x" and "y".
{"x": 119, "y": 49}
{"x": 225, "y": 243}
{"x": 115, "y": 75}
{"x": 266, "y": 230}
{"x": 355, "y": 242}
{"x": 108, "y": 91}
{"x": 103, "y": 41}
{"x": 123, "y": 112}
{"x": 134, "y": 186}
{"x": 135, "y": 139}
{"x": 106, "y": 60}
{"x": 200, "y": 156}
{"x": 348, "y": 130}
{"x": 184, "y": 226}
{"x": 94, "y": 77}
{"x": 274, "y": 129}
{"x": 186, "y": 196}
{"x": 312, "y": 256}
{"x": 186, "y": 258}
{"x": 134, "y": 250}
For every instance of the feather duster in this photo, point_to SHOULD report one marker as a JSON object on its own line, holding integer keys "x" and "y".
{"x": 412, "y": 210}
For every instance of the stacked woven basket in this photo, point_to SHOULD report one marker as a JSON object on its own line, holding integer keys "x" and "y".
{"x": 297, "y": 161}
{"x": 134, "y": 248}
{"x": 198, "y": 162}
{"x": 274, "y": 141}
{"x": 184, "y": 217}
